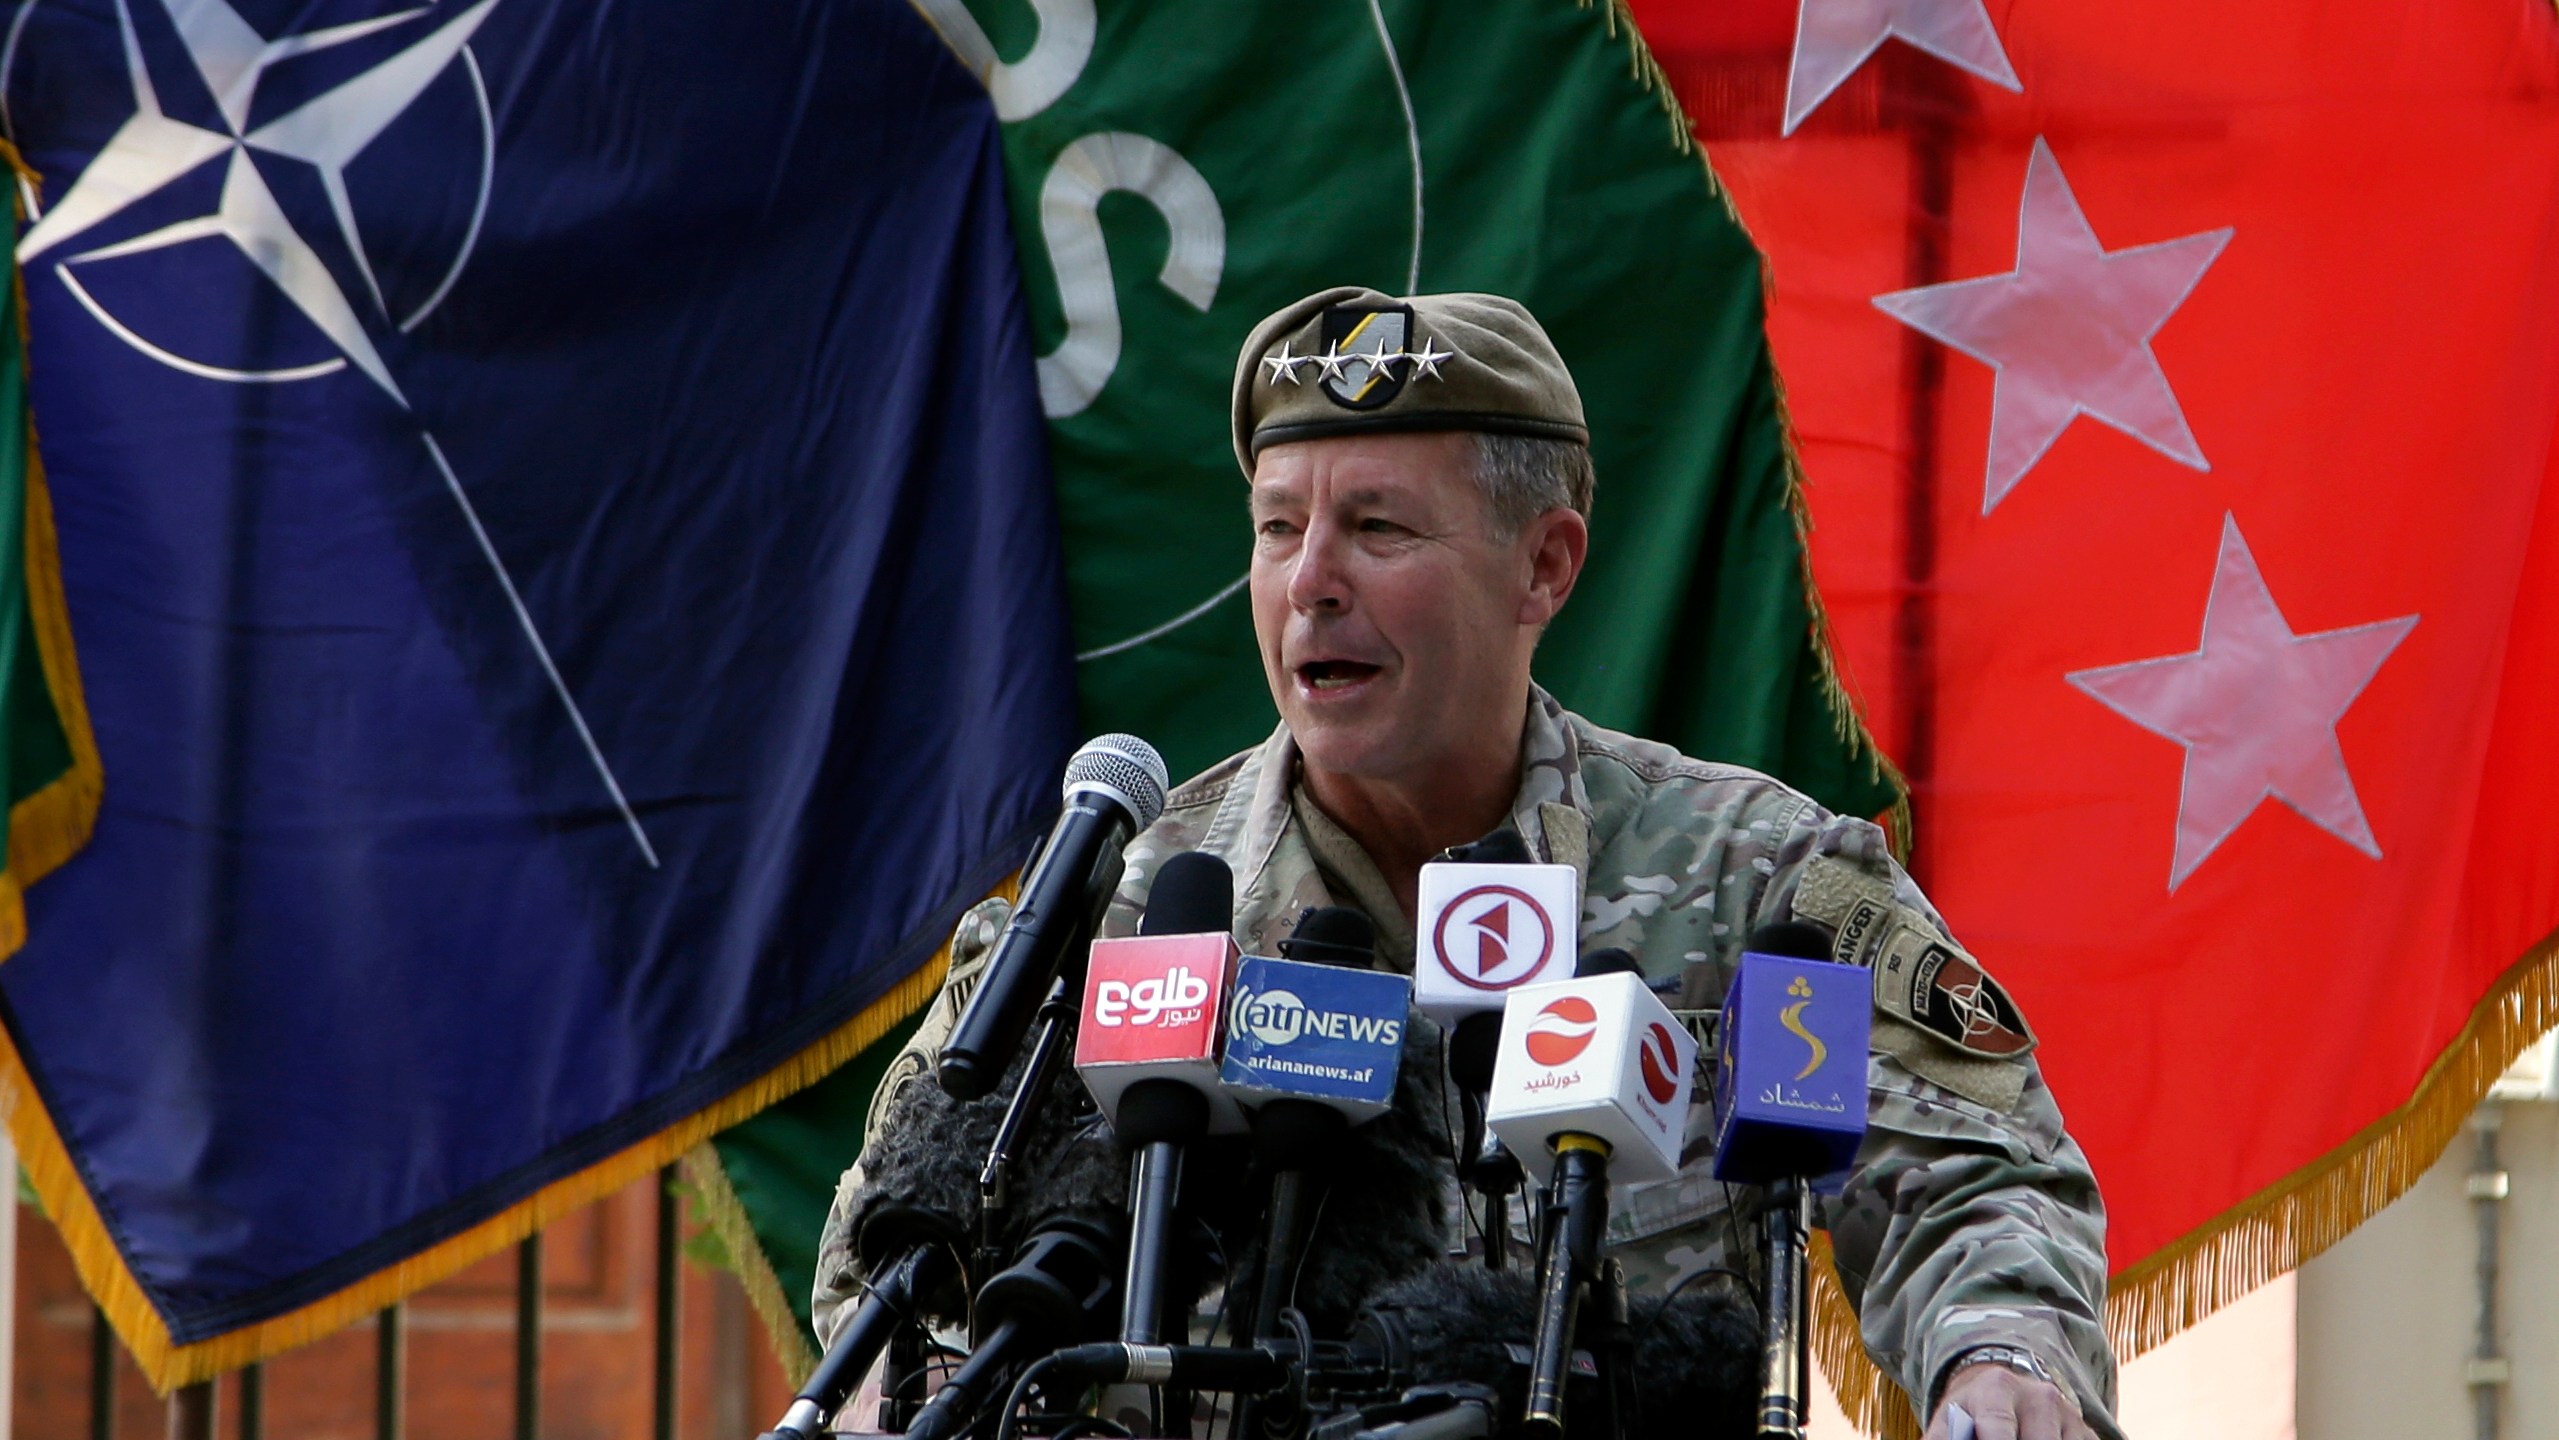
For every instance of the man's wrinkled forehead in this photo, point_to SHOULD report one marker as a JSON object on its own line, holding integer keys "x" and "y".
{"x": 1365, "y": 472}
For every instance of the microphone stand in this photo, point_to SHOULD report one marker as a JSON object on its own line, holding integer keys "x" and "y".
{"x": 1049, "y": 1050}
{"x": 1494, "y": 1173}
{"x": 885, "y": 1313}
{"x": 1785, "y": 1326}
{"x": 1576, "y": 1225}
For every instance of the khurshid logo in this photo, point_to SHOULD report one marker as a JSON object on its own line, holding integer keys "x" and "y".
{"x": 1660, "y": 1064}
{"x": 1172, "y": 998}
{"x": 1562, "y": 1031}
{"x": 1279, "y": 1017}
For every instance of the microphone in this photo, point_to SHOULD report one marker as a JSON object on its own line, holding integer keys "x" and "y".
{"x": 1058, "y": 1289}
{"x": 1147, "y": 1050}
{"x": 1115, "y": 787}
{"x": 890, "y": 1302}
{"x": 1489, "y": 921}
{"x": 1467, "y": 957}
{"x": 1790, "y": 1112}
{"x": 1790, "y": 1065}
{"x": 1598, "y": 1056}
{"x": 1313, "y": 1045}
{"x": 1592, "y": 1075}
{"x": 1695, "y": 1363}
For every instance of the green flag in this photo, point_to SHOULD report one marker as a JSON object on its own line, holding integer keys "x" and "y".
{"x": 49, "y": 768}
{"x": 1178, "y": 172}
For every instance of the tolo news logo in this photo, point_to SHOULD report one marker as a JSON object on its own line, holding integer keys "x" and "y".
{"x": 1562, "y": 1031}
{"x": 1493, "y": 937}
{"x": 1173, "y": 998}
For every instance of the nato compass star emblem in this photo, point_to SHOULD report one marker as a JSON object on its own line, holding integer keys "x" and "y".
{"x": 162, "y": 144}
{"x": 155, "y": 149}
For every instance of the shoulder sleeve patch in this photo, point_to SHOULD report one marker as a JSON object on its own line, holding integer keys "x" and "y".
{"x": 1993, "y": 1084}
{"x": 1942, "y": 1014}
{"x": 1927, "y": 980}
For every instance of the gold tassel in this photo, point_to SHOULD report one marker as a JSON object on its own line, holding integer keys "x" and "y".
{"x": 2276, "y": 1230}
{"x": 729, "y": 1221}
{"x": 47, "y": 827}
{"x": 168, "y": 1365}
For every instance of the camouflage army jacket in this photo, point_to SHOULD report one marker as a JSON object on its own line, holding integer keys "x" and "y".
{"x": 1971, "y": 1217}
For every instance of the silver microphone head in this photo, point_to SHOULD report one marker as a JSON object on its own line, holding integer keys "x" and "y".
{"x": 1124, "y": 768}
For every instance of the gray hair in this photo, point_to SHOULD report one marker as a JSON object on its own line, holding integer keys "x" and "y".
{"x": 1524, "y": 476}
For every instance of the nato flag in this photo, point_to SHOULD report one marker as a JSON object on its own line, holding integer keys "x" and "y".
{"x": 557, "y": 533}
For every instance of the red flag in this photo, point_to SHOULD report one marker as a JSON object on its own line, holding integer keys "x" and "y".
{"x": 2176, "y": 387}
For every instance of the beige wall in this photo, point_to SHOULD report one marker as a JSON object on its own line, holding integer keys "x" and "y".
{"x": 2386, "y": 1316}
{"x": 2370, "y": 1340}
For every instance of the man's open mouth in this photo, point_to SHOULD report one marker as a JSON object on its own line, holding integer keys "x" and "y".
{"x": 1334, "y": 674}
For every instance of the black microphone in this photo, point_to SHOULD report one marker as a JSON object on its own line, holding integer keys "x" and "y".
{"x": 1297, "y": 1133}
{"x": 1115, "y": 787}
{"x": 1785, "y": 1400}
{"x": 1486, "y": 1165}
{"x": 1596, "y": 1082}
{"x": 1147, "y": 1050}
{"x": 1695, "y": 1363}
{"x": 890, "y": 1302}
{"x": 1060, "y": 1288}
{"x": 1193, "y": 894}
{"x": 1610, "y": 961}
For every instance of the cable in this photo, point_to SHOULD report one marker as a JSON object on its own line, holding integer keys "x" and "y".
{"x": 1007, "y": 1428}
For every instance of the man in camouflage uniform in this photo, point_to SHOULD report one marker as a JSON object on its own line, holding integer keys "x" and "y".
{"x": 1420, "y": 490}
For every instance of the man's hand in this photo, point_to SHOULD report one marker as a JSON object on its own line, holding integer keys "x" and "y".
{"x": 2008, "y": 1406}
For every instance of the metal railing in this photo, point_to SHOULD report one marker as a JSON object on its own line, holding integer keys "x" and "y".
{"x": 194, "y": 1410}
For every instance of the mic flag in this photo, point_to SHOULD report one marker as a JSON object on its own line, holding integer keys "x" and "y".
{"x": 1152, "y": 1006}
{"x": 565, "y": 623}
{"x": 1485, "y": 929}
{"x": 1597, "y": 1056}
{"x": 1315, "y": 1032}
{"x": 1790, "y": 1070}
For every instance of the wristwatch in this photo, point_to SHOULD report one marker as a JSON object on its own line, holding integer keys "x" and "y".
{"x": 2021, "y": 1361}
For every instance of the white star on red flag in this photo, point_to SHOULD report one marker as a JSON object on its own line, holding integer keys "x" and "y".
{"x": 1834, "y": 37}
{"x": 2068, "y": 330}
{"x": 2256, "y": 706}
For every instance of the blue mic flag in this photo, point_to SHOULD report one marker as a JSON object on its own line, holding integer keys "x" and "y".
{"x": 556, "y": 526}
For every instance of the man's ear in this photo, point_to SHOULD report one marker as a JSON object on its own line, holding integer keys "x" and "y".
{"x": 1555, "y": 544}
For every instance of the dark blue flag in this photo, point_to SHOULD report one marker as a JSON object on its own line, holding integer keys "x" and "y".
{"x": 555, "y": 526}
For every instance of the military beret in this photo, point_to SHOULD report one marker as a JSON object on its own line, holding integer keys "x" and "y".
{"x": 1350, "y": 361}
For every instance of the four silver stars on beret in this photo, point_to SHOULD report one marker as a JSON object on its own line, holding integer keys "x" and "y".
{"x": 1425, "y": 362}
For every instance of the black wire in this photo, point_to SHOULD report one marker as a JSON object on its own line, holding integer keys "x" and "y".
{"x": 1005, "y": 1428}
{"x": 1737, "y": 1246}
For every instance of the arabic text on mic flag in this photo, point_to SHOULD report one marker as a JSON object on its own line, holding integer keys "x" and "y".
{"x": 555, "y": 517}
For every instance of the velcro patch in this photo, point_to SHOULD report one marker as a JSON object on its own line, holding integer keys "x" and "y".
{"x": 1922, "y": 978}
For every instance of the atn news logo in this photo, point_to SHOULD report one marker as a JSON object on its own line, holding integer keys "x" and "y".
{"x": 1172, "y": 998}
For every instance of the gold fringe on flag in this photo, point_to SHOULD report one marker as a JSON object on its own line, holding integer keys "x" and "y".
{"x": 2271, "y": 1232}
{"x": 169, "y": 1365}
{"x": 46, "y": 827}
{"x": 729, "y": 1220}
